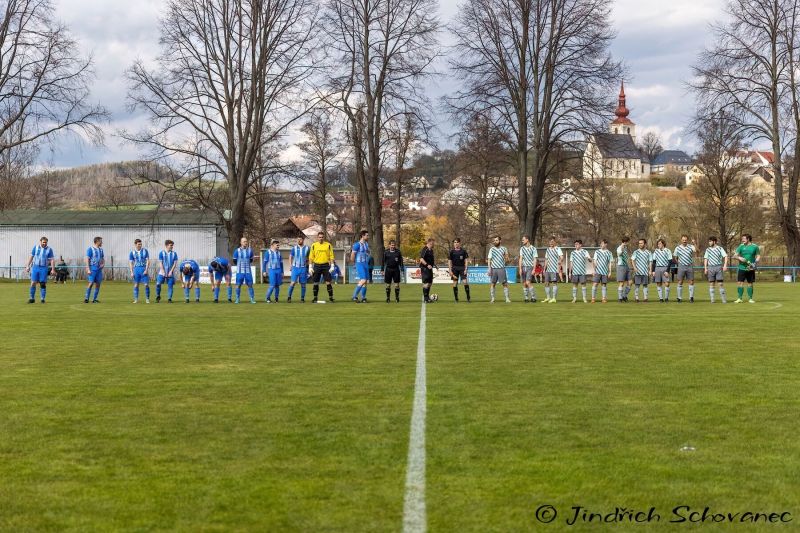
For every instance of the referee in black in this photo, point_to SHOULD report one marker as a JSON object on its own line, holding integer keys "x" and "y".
{"x": 458, "y": 268}
{"x": 426, "y": 263}
{"x": 392, "y": 267}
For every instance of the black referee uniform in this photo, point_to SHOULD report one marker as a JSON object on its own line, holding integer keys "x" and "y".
{"x": 392, "y": 267}
{"x": 458, "y": 262}
{"x": 426, "y": 262}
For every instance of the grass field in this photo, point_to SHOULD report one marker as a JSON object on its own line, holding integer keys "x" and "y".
{"x": 208, "y": 417}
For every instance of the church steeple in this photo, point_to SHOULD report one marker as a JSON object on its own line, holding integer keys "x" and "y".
{"x": 622, "y": 124}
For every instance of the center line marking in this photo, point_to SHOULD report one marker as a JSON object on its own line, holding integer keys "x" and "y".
{"x": 414, "y": 517}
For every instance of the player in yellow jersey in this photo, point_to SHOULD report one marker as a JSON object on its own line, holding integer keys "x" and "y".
{"x": 321, "y": 259}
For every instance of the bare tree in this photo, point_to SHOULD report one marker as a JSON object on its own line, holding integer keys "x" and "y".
{"x": 46, "y": 190}
{"x": 15, "y": 169}
{"x": 44, "y": 82}
{"x": 405, "y": 134}
{"x": 750, "y": 73}
{"x": 723, "y": 186}
{"x": 380, "y": 49}
{"x": 321, "y": 149}
{"x": 651, "y": 145}
{"x": 543, "y": 70}
{"x": 224, "y": 90}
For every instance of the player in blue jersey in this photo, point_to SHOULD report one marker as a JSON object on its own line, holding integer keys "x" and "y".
{"x": 41, "y": 264}
{"x": 218, "y": 269}
{"x": 298, "y": 257}
{"x": 95, "y": 261}
{"x": 168, "y": 262}
{"x": 242, "y": 260}
{"x": 360, "y": 257}
{"x": 139, "y": 262}
{"x": 190, "y": 274}
{"x": 273, "y": 266}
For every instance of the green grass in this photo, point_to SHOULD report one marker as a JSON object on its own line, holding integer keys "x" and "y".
{"x": 295, "y": 418}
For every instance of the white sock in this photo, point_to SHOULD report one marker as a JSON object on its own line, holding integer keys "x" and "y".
{"x": 574, "y": 292}
{"x": 491, "y": 292}
{"x": 666, "y": 295}
{"x": 505, "y": 292}
{"x": 605, "y": 292}
{"x": 722, "y": 295}
{"x": 660, "y": 294}
{"x": 547, "y": 292}
{"x": 594, "y": 292}
{"x": 680, "y": 292}
{"x": 583, "y": 291}
{"x": 645, "y": 291}
{"x": 691, "y": 291}
{"x": 711, "y": 292}
{"x": 555, "y": 291}
{"x": 636, "y": 292}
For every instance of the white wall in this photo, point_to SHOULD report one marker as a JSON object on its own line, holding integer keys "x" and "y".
{"x": 71, "y": 242}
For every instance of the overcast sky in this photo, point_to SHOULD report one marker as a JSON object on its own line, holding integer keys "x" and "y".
{"x": 657, "y": 40}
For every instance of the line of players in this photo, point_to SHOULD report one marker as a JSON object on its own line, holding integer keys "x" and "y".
{"x": 634, "y": 269}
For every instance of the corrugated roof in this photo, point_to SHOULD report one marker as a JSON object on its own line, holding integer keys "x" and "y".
{"x": 107, "y": 218}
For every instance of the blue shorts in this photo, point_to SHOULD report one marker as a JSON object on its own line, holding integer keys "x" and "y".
{"x": 275, "y": 276}
{"x": 170, "y": 280}
{"x": 140, "y": 276}
{"x": 190, "y": 277}
{"x": 39, "y": 274}
{"x": 96, "y": 276}
{"x": 362, "y": 271}
{"x": 299, "y": 274}
{"x": 219, "y": 276}
{"x": 244, "y": 278}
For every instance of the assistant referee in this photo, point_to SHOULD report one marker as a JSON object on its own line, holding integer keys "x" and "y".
{"x": 321, "y": 258}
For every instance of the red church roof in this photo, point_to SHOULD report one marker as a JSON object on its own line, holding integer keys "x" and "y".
{"x": 622, "y": 111}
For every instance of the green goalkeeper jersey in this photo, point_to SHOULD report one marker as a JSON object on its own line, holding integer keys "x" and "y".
{"x": 749, "y": 252}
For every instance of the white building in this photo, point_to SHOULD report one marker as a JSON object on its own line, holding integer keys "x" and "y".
{"x": 197, "y": 235}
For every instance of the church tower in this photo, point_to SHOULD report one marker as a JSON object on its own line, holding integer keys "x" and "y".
{"x": 622, "y": 125}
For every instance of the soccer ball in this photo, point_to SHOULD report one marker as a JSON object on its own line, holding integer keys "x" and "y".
{"x": 434, "y": 297}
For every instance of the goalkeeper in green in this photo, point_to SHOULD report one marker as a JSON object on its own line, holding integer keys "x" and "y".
{"x": 748, "y": 255}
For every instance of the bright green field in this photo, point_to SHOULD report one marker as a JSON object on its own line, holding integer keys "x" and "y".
{"x": 208, "y": 417}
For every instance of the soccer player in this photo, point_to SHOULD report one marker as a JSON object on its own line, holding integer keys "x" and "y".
{"x": 602, "y": 265}
{"x": 298, "y": 257}
{"x": 715, "y": 264}
{"x": 243, "y": 259}
{"x": 577, "y": 264}
{"x": 684, "y": 253}
{"x": 41, "y": 264}
{"x": 642, "y": 261}
{"x": 273, "y": 266}
{"x": 168, "y": 260}
{"x": 139, "y": 263}
{"x": 662, "y": 258}
{"x": 623, "y": 269}
{"x": 392, "y": 267}
{"x": 360, "y": 256}
{"x": 191, "y": 278}
{"x": 457, "y": 264}
{"x": 218, "y": 269}
{"x": 748, "y": 255}
{"x": 553, "y": 266}
{"x": 528, "y": 261}
{"x": 321, "y": 258}
{"x": 426, "y": 264}
{"x": 95, "y": 261}
{"x": 497, "y": 259}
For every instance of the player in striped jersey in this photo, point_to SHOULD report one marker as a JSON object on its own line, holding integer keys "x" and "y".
{"x": 243, "y": 260}
{"x": 553, "y": 268}
{"x": 190, "y": 271}
{"x": 95, "y": 261}
{"x": 273, "y": 266}
{"x": 139, "y": 262}
{"x": 661, "y": 260}
{"x": 577, "y": 265}
{"x": 498, "y": 257}
{"x": 360, "y": 256}
{"x": 528, "y": 259}
{"x": 684, "y": 254}
{"x": 168, "y": 260}
{"x": 298, "y": 257}
{"x": 642, "y": 262}
{"x": 602, "y": 264}
{"x": 624, "y": 269}
{"x": 41, "y": 263}
{"x": 715, "y": 264}
{"x": 220, "y": 269}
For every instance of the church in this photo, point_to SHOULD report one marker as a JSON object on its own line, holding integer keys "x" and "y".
{"x": 614, "y": 154}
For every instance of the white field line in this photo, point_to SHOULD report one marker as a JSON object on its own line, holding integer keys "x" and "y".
{"x": 414, "y": 516}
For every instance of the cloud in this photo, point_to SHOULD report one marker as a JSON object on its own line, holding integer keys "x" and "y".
{"x": 658, "y": 41}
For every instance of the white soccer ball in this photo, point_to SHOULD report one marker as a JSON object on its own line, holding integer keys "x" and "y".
{"x": 434, "y": 297}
